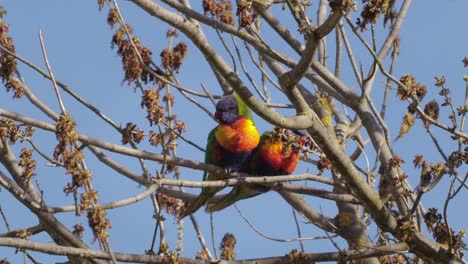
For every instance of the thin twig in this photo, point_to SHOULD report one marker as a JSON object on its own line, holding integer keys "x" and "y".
{"x": 226, "y": 47}
{"x": 339, "y": 52}
{"x": 161, "y": 225}
{"x": 200, "y": 237}
{"x": 436, "y": 143}
{"x": 49, "y": 159}
{"x": 155, "y": 234}
{"x": 33, "y": 230}
{"x": 298, "y": 228}
{"x": 246, "y": 72}
{"x": 262, "y": 70}
{"x": 213, "y": 241}
{"x": 110, "y": 205}
{"x": 349, "y": 51}
{"x": 376, "y": 113}
{"x": 208, "y": 94}
{"x": 5, "y": 219}
{"x": 195, "y": 102}
{"x": 46, "y": 60}
{"x": 272, "y": 238}
{"x": 387, "y": 83}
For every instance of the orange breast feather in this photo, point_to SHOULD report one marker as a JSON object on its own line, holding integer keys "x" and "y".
{"x": 279, "y": 160}
{"x": 271, "y": 152}
{"x": 240, "y": 136}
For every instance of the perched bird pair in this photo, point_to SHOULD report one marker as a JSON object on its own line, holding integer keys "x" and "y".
{"x": 235, "y": 145}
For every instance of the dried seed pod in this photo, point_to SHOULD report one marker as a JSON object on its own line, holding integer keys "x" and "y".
{"x": 227, "y": 247}
{"x": 432, "y": 110}
{"x": 406, "y": 125}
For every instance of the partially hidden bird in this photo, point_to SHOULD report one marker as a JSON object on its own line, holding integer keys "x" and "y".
{"x": 229, "y": 145}
{"x": 277, "y": 154}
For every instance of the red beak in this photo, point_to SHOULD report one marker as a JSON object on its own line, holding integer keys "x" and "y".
{"x": 217, "y": 115}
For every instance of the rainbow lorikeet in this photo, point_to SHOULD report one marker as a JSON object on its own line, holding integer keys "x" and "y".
{"x": 230, "y": 144}
{"x": 277, "y": 154}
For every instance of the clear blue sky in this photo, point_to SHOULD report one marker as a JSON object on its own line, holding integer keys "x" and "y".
{"x": 77, "y": 38}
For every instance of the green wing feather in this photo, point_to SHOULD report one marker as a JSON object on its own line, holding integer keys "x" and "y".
{"x": 244, "y": 110}
{"x": 206, "y": 193}
{"x": 236, "y": 194}
{"x": 210, "y": 145}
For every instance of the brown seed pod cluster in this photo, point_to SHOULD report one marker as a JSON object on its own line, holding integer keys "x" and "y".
{"x": 227, "y": 247}
{"x": 457, "y": 158}
{"x": 324, "y": 164}
{"x": 7, "y": 61}
{"x": 462, "y": 110}
{"x": 71, "y": 157}
{"x": 88, "y": 199}
{"x": 27, "y": 133}
{"x": 131, "y": 133}
{"x": 465, "y": 62}
{"x": 406, "y": 124}
{"x": 221, "y": 10}
{"x": 78, "y": 230}
{"x": 393, "y": 259}
{"x": 23, "y": 234}
{"x": 440, "y": 81}
{"x": 340, "y": 6}
{"x": 430, "y": 172}
{"x": 371, "y": 11}
{"x": 156, "y": 138}
{"x": 299, "y": 257}
{"x": 65, "y": 134}
{"x": 442, "y": 233}
{"x": 150, "y": 101}
{"x": 432, "y": 110}
{"x": 406, "y": 230}
{"x": 169, "y": 203}
{"x": 28, "y": 164}
{"x": 135, "y": 71}
{"x": 9, "y": 130}
{"x": 112, "y": 17}
{"x": 100, "y": 4}
{"x": 395, "y": 162}
{"x": 412, "y": 88}
{"x": 156, "y": 115}
{"x": 98, "y": 222}
{"x": 168, "y": 138}
{"x": 172, "y": 59}
{"x": 171, "y": 257}
{"x": 245, "y": 13}
{"x": 80, "y": 177}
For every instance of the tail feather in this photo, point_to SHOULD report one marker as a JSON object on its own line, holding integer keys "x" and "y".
{"x": 200, "y": 201}
{"x": 194, "y": 206}
{"x": 236, "y": 194}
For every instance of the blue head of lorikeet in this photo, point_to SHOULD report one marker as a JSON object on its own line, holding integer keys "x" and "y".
{"x": 227, "y": 110}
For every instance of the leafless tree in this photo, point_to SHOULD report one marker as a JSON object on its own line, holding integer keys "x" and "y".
{"x": 249, "y": 46}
